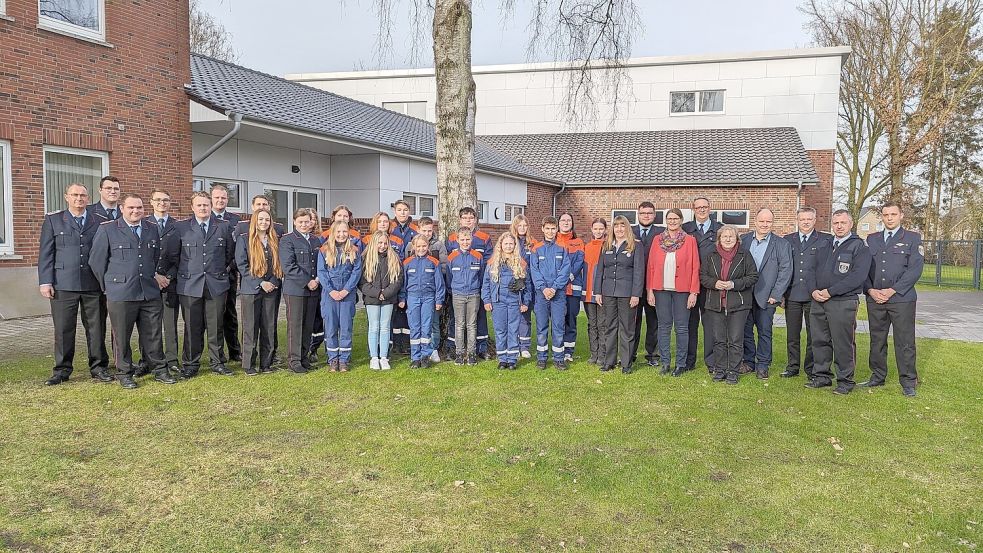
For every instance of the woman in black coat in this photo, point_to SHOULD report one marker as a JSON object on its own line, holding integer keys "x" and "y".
{"x": 728, "y": 275}
{"x": 258, "y": 260}
{"x": 619, "y": 280}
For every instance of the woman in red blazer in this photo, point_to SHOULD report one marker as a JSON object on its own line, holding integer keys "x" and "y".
{"x": 673, "y": 283}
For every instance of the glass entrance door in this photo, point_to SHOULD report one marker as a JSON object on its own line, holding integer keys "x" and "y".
{"x": 284, "y": 200}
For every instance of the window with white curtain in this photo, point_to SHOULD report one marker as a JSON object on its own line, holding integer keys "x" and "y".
{"x": 85, "y": 18}
{"x": 696, "y": 102}
{"x": 65, "y": 166}
{"x": 6, "y": 199}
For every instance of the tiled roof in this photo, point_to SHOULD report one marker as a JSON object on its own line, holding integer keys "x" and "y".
{"x": 260, "y": 97}
{"x": 706, "y": 156}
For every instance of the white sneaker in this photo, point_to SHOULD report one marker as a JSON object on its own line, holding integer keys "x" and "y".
{"x": 384, "y": 364}
{"x": 374, "y": 363}
{"x": 568, "y": 358}
{"x": 435, "y": 357}
{"x": 525, "y": 355}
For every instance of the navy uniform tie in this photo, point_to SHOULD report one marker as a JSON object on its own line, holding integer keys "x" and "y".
{"x": 136, "y": 232}
{"x": 78, "y": 221}
{"x": 204, "y": 229}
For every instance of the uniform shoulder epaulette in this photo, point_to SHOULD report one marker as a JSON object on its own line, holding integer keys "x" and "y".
{"x": 106, "y": 222}
{"x": 452, "y": 237}
{"x": 433, "y": 260}
{"x": 395, "y": 238}
{"x": 475, "y": 254}
{"x": 56, "y": 212}
{"x": 453, "y": 255}
{"x": 408, "y": 260}
{"x": 354, "y": 233}
{"x": 482, "y": 234}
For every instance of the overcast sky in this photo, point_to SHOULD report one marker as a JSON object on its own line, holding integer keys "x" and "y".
{"x": 305, "y": 36}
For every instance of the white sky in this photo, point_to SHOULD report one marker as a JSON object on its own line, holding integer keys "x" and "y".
{"x": 303, "y": 36}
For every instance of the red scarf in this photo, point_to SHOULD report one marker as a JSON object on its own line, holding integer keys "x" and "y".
{"x": 727, "y": 258}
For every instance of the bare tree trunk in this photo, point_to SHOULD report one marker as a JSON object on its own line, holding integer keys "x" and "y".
{"x": 456, "y": 185}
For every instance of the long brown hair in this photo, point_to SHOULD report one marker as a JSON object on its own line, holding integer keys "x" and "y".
{"x": 330, "y": 250}
{"x": 621, "y": 220}
{"x": 513, "y": 260}
{"x": 371, "y": 257}
{"x": 514, "y": 231}
{"x": 257, "y": 259}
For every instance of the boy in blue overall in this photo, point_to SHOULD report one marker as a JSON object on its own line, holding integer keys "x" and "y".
{"x": 422, "y": 295}
{"x": 550, "y": 269}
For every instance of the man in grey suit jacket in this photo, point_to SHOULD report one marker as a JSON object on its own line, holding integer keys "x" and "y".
{"x": 773, "y": 257}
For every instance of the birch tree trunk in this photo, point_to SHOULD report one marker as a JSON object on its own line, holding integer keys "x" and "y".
{"x": 456, "y": 186}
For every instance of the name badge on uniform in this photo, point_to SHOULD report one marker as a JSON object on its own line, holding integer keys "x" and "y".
{"x": 609, "y": 252}
{"x": 843, "y": 267}
{"x": 559, "y": 257}
{"x": 428, "y": 270}
{"x": 410, "y": 270}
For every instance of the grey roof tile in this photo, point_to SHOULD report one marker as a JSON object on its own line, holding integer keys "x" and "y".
{"x": 706, "y": 156}
{"x": 225, "y": 86}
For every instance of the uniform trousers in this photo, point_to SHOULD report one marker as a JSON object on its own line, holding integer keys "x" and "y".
{"x": 64, "y": 315}
{"x": 259, "y": 317}
{"x": 901, "y": 318}
{"x": 505, "y": 318}
{"x": 595, "y": 331}
{"x": 145, "y": 315}
{"x": 230, "y": 320}
{"x": 619, "y": 330}
{"x": 420, "y": 315}
{"x": 570, "y": 325}
{"x": 834, "y": 332}
{"x": 338, "y": 319}
{"x": 300, "y": 324}
{"x": 202, "y": 315}
{"x": 795, "y": 313}
{"x": 550, "y": 320}
{"x": 651, "y": 316}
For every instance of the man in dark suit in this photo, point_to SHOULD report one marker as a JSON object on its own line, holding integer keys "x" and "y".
{"x": 298, "y": 259}
{"x": 773, "y": 257}
{"x": 646, "y": 231}
{"x": 806, "y": 243}
{"x": 898, "y": 259}
{"x": 108, "y": 206}
{"x": 198, "y": 254}
{"x": 841, "y": 271}
{"x": 230, "y": 318}
{"x": 125, "y": 258}
{"x": 65, "y": 279}
{"x": 704, "y": 229}
{"x": 161, "y": 218}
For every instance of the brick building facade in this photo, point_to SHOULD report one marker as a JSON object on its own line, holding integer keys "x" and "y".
{"x": 103, "y": 92}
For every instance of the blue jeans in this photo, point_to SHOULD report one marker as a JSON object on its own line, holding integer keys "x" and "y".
{"x": 379, "y": 317}
{"x": 671, "y": 309}
{"x": 758, "y": 356}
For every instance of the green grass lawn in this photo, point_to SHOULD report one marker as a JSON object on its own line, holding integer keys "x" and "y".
{"x": 476, "y": 459}
{"x": 952, "y": 275}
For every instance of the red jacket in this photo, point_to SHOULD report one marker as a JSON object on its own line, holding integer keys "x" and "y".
{"x": 687, "y": 266}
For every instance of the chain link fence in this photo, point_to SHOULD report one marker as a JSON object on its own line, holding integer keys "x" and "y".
{"x": 955, "y": 263}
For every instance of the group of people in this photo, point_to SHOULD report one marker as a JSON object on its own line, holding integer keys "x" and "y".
{"x": 139, "y": 268}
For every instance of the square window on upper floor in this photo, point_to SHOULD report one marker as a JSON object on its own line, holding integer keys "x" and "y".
{"x": 83, "y": 18}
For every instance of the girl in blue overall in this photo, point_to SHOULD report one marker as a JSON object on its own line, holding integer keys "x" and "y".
{"x": 525, "y": 244}
{"x": 422, "y": 296}
{"x": 505, "y": 291}
{"x": 339, "y": 267}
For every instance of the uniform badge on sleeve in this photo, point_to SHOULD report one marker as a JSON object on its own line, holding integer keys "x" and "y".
{"x": 843, "y": 267}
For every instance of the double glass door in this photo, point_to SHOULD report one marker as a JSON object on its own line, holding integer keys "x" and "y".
{"x": 284, "y": 200}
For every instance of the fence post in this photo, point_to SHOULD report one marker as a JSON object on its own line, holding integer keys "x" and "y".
{"x": 938, "y": 263}
{"x": 977, "y": 261}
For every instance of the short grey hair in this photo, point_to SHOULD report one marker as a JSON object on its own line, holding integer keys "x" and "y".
{"x": 760, "y": 209}
{"x": 805, "y": 210}
{"x": 728, "y": 228}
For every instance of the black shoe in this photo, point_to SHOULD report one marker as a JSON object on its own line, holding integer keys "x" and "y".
{"x": 460, "y": 360}
{"x": 251, "y": 371}
{"x": 908, "y": 391}
{"x": 732, "y": 377}
{"x": 678, "y": 372}
{"x": 665, "y": 370}
{"x": 842, "y": 390}
{"x": 719, "y": 376}
{"x": 267, "y": 369}
{"x": 222, "y": 370}
{"x": 652, "y": 361}
{"x": 606, "y": 368}
{"x": 541, "y": 364}
{"x": 298, "y": 370}
{"x": 472, "y": 359}
{"x": 188, "y": 373}
{"x": 788, "y": 373}
{"x": 818, "y": 384}
{"x": 424, "y": 363}
{"x": 235, "y": 357}
{"x": 626, "y": 370}
{"x": 141, "y": 370}
{"x": 560, "y": 365}
{"x": 745, "y": 368}
{"x": 56, "y": 379}
{"x": 511, "y": 366}
{"x": 502, "y": 365}
{"x": 762, "y": 374}
{"x": 870, "y": 384}
{"x": 165, "y": 377}
{"x": 689, "y": 367}
{"x": 126, "y": 381}
{"x": 101, "y": 376}
{"x": 414, "y": 364}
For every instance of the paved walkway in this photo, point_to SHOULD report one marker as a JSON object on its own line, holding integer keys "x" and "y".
{"x": 946, "y": 314}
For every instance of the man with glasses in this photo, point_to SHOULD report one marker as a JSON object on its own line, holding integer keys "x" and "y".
{"x": 806, "y": 244}
{"x": 108, "y": 204}
{"x": 646, "y": 231}
{"x": 704, "y": 229}
{"x": 160, "y": 200}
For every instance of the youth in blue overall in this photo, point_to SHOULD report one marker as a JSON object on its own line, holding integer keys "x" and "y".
{"x": 402, "y": 227}
{"x": 505, "y": 291}
{"x": 464, "y": 270}
{"x": 339, "y": 268}
{"x": 550, "y": 270}
{"x": 520, "y": 231}
{"x": 438, "y": 251}
{"x": 574, "y": 290}
{"x": 480, "y": 243}
{"x": 423, "y": 288}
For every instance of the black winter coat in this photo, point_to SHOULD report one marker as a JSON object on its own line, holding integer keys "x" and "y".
{"x": 380, "y": 285}
{"x": 743, "y": 272}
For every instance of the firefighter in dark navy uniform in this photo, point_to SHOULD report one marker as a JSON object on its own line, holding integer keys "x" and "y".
{"x": 806, "y": 242}
{"x": 898, "y": 259}
{"x": 65, "y": 279}
{"x": 841, "y": 271}
{"x": 125, "y": 259}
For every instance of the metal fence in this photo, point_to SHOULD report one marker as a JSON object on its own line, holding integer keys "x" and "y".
{"x": 953, "y": 263}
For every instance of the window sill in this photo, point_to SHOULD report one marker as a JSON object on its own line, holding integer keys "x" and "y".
{"x": 74, "y": 35}
{"x": 6, "y": 18}
{"x": 697, "y": 113}
{"x": 10, "y": 257}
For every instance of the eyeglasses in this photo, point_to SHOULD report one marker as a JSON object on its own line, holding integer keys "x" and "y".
{"x": 646, "y": 213}
{"x": 701, "y": 207}
{"x": 160, "y": 199}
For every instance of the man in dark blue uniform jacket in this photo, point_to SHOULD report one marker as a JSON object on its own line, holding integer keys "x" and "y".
{"x": 230, "y": 318}
{"x": 806, "y": 243}
{"x": 64, "y": 277}
{"x": 108, "y": 205}
{"x": 125, "y": 258}
{"x": 704, "y": 229}
{"x": 198, "y": 255}
{"x": 897, "y": 265}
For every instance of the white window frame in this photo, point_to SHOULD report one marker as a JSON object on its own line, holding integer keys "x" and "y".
{"x": 864, "y": 226}
{"x": 482, "y": 208}
{"x": 6, "y": 183}
{"x": 291, "y": 206}
{"x": 697, "y": 103}
{"x": 415, "y": 211}
{"x": 633, "y": 220}
{"x": 717, "y": 215}
{"x": 205, "y": 184}
{"x": 403, "y": 107}
{"x": 511, "y": 210}
{"x": 3, "y": 7}
{"x": 50, "y": 23}
{"x": 73, "y": 151}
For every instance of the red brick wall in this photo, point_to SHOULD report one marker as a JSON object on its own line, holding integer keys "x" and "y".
{"x": 587, "y": 203}
{"x": 62, "y": 91}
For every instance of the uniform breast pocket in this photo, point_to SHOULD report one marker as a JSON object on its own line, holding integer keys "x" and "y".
{"x": 116, "y": 278}
{"x": 61, "y": 239}
{"x": 125, "y": 252}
